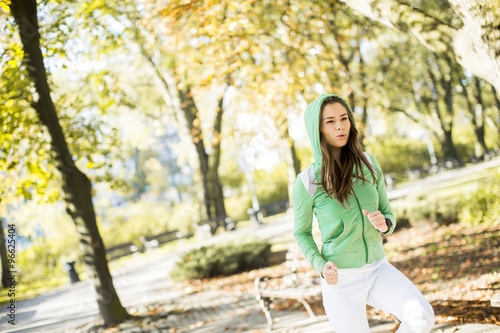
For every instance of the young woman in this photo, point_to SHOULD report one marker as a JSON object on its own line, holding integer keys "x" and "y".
{"x": 345, "y": 190}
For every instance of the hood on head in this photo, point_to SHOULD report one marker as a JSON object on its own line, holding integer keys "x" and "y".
{"x": 311, "y": 118}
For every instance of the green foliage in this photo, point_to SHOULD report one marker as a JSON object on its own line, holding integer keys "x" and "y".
{"x": 464, "y": 139}
{"x": 52, "y": 242}
{"x": 237, "y": 205}
{"x": 398, "y": 155}
{"x": 271, "y": 185}
{"x": 482, "y": 206}
{"x": 236, "y": 201}
{"x": 44, "y": 261}
{"x": 221, "y": 259}
{"x": 457, "y": 204}
{"x": 231, "y": 174}
{"x": 419, "y": 209}
{"x": 24, "y": 144}
{"x": 121, "y": 225}
{"x": 305, "y": 156}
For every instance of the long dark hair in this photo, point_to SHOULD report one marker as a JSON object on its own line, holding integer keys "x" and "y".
{"x": 336, "y": 176}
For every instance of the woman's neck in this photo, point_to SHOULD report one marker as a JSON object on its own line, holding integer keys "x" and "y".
{"x": 336, "y": 154}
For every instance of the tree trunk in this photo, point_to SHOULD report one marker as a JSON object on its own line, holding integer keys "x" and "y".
{"x": 294, "y": 168}
{"x": 478, "y": 122}
{"x": 481, "y": 148}
{"x": 292, "y": 160}
{"x": 216, "y": 189}
{"x": 470, "y": 108}
{"x": 364, "y": 97}
{"x": 213, "y": 196}
{"x": 3, "y": 257}
{"x": 193, "y": 122}
{"x": 446, "y": 82}
{"x": 497, "y": 103}
{"x": 76, "y": 185}
{"x": 449, "y": 151}
{"x": 295, "y": 157}
{"x": 447, "y": 144}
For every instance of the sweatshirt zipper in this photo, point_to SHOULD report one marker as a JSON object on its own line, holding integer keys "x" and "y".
{"x": 362, "y": 228}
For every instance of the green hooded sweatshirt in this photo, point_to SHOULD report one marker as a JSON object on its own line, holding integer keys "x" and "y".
{"x": 349, "y": 239}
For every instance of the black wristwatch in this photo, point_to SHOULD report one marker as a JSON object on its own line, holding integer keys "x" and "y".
{"x": 389, "y": 225}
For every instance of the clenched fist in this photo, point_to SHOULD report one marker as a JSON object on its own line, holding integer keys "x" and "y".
{"x": 329, "y": 272}
{"x": 377, "y": 219}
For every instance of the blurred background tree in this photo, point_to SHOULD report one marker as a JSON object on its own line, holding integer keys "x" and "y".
{"x": 465, "y": 30}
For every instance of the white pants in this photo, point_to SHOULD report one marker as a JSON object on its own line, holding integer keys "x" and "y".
{"x": 382, "y": 286}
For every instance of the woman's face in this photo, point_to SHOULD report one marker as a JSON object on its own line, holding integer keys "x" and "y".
{"x": 335, "y": 125}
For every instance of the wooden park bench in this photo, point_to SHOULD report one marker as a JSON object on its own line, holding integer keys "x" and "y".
{"x": 495, "y": 300}
{"x": 301, "y": 283}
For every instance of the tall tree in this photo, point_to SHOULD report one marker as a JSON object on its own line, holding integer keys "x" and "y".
{"x": 178, "y": 83}
{"x": 213, "y": 195}
{"x": 444, "y": 82}
{"x": 76, "y": 185}
{"x": 473, "y": 40}
{"x": 420, "y": 84}
{"x": 477, "y": 112}
{"x": 497, "y": 105}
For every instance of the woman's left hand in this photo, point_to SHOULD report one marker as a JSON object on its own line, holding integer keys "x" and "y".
{"x": 377, "y": 219}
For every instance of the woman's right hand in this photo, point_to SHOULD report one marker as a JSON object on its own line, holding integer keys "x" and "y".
{"x": 329, "y": 273}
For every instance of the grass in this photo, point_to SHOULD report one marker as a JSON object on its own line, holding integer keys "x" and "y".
{"x": 442, "y": 202}
{"x": 34, "y": 288}
{"x": 447, "y": 189}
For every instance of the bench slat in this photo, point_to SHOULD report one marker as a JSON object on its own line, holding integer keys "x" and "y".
{"x": 495, "y": 300}
{"x": 292, "y": 292}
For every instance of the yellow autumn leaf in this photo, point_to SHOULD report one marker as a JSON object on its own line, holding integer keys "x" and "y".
{"x": 5, "y": 5}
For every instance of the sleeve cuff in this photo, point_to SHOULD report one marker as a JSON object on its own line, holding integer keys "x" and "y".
{"x": 321, "y": 270}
